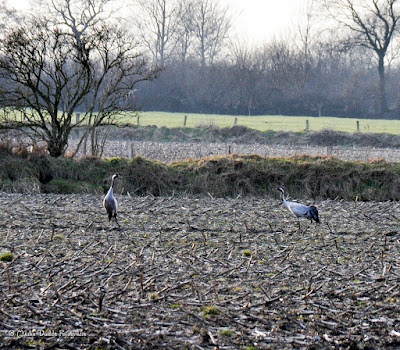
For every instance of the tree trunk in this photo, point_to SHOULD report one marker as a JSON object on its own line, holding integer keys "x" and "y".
{"x": 56, "y": 147}
{"x": 382, "y": 84}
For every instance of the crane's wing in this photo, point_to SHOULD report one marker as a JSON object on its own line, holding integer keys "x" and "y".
{"x": 298, "y": 209}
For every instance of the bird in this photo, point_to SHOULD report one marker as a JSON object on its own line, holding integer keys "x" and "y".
{"x": 300, "y": 210}
{"x": 110, "y": 203}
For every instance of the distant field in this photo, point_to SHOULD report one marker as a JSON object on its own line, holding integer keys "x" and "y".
{"x": 264, "y": 123}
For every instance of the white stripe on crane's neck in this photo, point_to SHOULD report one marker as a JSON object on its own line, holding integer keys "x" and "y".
{"x": 110, "y": 191}
{"x": 112, "y": 180}
{"x": 282, "y": 194}
{"x": 285, "y": 203}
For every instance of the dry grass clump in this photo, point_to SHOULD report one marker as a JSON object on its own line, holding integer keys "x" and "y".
{"x": 22, "y": 185}
{"x": 6, "y": 256}
{"x": 16, "y": 142}
{"x": 303, "y": 176}
{"x": 142, "y": 176}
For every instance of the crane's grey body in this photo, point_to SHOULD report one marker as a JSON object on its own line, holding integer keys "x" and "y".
{"x": 110, "y": 203}
{"x": 298, "y": 209}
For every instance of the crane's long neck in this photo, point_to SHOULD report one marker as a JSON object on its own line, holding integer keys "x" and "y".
{"x": 110, "y": 191}
{"x": 283, "y": 198}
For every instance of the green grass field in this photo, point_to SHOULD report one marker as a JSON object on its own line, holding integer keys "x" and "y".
{"x": 263, "y": 123}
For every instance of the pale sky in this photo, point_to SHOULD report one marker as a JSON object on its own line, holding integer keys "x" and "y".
{"x": 19, "y": 4}
{"x": 260, "y": 20}
{"x": 254, "y": 20}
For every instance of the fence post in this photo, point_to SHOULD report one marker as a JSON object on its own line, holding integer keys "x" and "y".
{"x": 184, "y": 120}
{"x": 235, "y": 122}
{"x": 130, "y": 149}
{"x": 307, "y": 124}
{"x": 358, "y": 125}
{"x": 132, "y": 155}
{"x": 137, "y": 121}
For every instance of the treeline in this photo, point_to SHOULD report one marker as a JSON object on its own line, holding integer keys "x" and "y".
{"x": 276, "y": 79}
{"x": 330, "y": 69}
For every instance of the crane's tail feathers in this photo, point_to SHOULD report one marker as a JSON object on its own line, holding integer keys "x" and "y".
{"x": 314, "y": 213}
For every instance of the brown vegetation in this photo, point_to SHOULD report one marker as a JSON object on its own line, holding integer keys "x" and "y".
{"x": 303, "y": 176}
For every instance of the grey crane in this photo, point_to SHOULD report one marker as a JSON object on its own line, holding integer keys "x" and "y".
{"x": 300, "y": 210}
{"x": 110, "y": 203}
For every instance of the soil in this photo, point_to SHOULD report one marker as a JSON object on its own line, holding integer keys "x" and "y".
{"x": 197, "y": 273}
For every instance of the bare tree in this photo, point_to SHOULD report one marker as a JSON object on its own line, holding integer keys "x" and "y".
{"x": 246, "y": 75}
{"x": 184, "y": 30}
{"x": 307, "y": 39}
{"x": 7, "y": 14}
{"x": 158, "y": 21}
{"x": 373, "y": 25}
{"x": 211, "y": 23}
{"x": 75, "y": 61}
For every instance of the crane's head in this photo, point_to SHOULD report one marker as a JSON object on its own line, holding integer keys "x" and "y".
{"x": 281, "y": 189}
{"x": 114, "y": 176}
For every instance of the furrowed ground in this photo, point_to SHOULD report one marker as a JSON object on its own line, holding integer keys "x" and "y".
{"x": 197, "y": 273}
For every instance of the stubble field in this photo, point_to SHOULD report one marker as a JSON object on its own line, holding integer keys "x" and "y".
{"x": 168, "y": 152}
{"x": 197, "y": 273}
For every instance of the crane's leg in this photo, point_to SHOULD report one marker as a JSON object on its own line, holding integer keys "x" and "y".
{"x": 306, "y": 228}
{"x": 299, "y": 228}
{"x": 116, "y": 221}
{"x": 319, "y": 233}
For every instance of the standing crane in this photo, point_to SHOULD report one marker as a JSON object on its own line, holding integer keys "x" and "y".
{"x": 300, "y": 210}
{"x": 110, "y": 203}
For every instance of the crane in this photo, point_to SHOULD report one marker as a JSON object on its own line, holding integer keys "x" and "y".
{"x": 300, "y": 210}
{"x": 110, "y": 203}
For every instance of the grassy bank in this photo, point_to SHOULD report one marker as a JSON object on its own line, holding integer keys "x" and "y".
{"x": 303, "y": 177}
